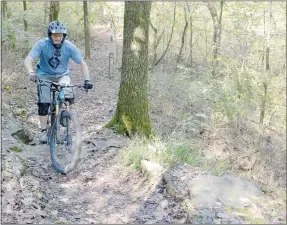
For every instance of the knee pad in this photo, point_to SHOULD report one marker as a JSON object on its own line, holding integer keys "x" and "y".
{"x": 43, "y": 109}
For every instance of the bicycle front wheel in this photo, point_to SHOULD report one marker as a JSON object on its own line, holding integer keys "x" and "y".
{"x": 66, "y": 142}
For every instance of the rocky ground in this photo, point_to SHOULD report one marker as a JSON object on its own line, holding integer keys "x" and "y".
{"x": 101, "y": 190}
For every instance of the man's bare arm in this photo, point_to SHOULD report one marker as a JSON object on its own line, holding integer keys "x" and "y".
{"x": 28, "y": 63}
{"x": 85, "y": 70}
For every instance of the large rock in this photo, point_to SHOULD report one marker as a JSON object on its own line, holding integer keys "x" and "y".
{"x": 24, "y": 136}
{"x": 177, "y": 179}
{"x": 229, "y": 190}
{"x": 20, "y": 131}
{"x": 15, "y": 166}
{"x": 152, "y": 170}
{"x": 12, "y": 125}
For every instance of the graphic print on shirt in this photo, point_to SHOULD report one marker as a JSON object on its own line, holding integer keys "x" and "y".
{"x": 54, "y": 62}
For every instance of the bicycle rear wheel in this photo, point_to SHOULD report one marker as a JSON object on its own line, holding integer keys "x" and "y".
{"x": 66, "y": 142}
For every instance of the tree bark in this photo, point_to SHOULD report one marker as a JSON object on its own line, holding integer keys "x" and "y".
{"x": 25, "y": 21}
{"x": 265, "y": 77}
{"x": 285, "y": 66}
{"x": 174, "y": 13}
{"x": 4, "y": 10}
{"x": 191, "y": 35}
{"x": 5, "y": 15}
{"x": 267, "y": 68}
{"x": 155, "y": 43}
{"x": 131, "y": 116}
{"x": 179, "y": 57}
{"x": 87, "y": 30}
{"x": 218, "y": 41}
{"x": 46, "y": 13}
{"x": 54, "y": 11}
{"x": 217, "y": 24}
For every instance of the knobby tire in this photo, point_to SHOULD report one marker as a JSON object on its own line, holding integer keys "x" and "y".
{"x": 76, "y": 147}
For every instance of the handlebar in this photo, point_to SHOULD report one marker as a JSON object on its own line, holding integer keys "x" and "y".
{"x": 57, "y": 85}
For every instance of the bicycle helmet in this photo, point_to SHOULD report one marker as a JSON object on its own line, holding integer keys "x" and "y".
{"x": 56, "y": 27}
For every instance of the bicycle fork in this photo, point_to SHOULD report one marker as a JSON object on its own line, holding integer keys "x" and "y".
{"x": 65, "y": 123}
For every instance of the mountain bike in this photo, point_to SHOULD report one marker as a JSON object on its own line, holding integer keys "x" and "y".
{"x": 63, "y": 129}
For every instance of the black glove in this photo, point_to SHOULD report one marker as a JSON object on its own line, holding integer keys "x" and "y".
{"x": 88, "y": 84}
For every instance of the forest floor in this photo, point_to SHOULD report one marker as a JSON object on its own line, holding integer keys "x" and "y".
{"x": 100, "y": 189}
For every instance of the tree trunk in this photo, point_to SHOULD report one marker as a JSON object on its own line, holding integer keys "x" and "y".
{"x": 25, "y": 21}
{"x": 216, "y": 34}
{"x": 174, "y": 13}
{"x": 190, "y": 43}
{"x": 218, "y": 41}
{"x": 155, "y": 43}
{"x": 131, "y": 115}
{"x": 265, "y": 76}
{"x": 46, "y": 13}
{"x": 286, "y": 39}
{"x": 179, "y": 57}
{"x": 264, "y": 42}
{"x": 115, "y": 38}
{"x": 113, "y": 24}
{"x": 5, "y": 15}
{"x": 4, "y": 10}
{"x": 191, "y": 35}
{"x": 154, "y": 54}
{"x": 87, "y": 31}
{"x": 54, "y": 11}
{"x": 267, "y": 68}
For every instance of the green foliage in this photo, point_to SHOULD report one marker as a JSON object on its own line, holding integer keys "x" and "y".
{"x": 15, "y": 149}
{"x": 249, "y": 213}
{"x": 182, "y": 154}
{"x": 19, "y": 113}
{"x": 238, "y": 94}
{"x": 133, "y": 154}
{"x": 8, "y": 35}
{"x": 14, "y": 37}
{"x": 167, "y": 154}
{"x": 13, "y": 34}
{"x": 7, "y": 174}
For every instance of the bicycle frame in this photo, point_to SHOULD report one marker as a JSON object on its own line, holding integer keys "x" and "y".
{"x": 56, "y": 108}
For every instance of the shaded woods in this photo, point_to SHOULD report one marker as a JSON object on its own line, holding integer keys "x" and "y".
{"x": 196, "y": 88}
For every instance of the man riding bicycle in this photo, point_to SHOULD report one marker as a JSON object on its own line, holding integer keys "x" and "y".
{"x": 54, "y": 52}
